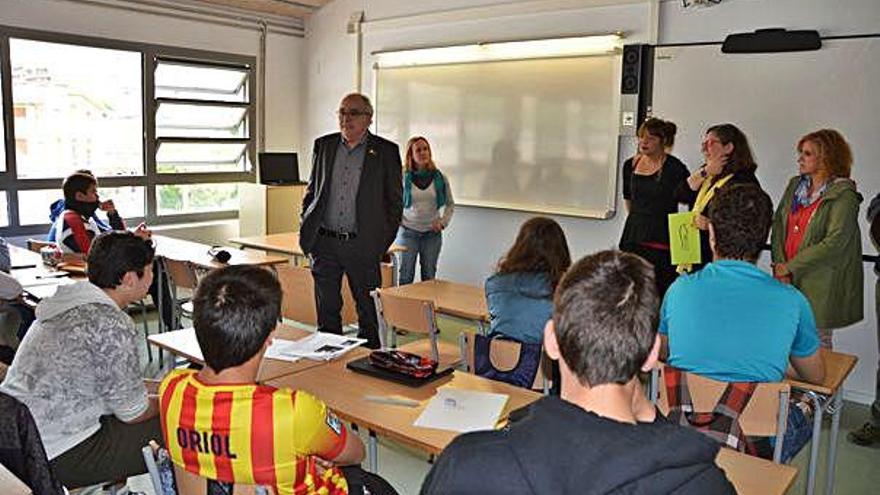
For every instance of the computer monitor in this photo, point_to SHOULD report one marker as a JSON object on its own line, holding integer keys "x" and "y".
{"x": 279, "y": 169}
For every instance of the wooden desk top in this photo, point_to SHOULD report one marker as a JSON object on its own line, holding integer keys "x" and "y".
{"x": 755, "y": 476}
{"x": 10, "y": 485}
{"x": 343, "y": 391}
{"x": 197, "y": 254}
{"x": 287, "y": 243}
{"x": 452, "y": 298}
{"x": 838, "y": 366}
{"x": 183, "y": 343}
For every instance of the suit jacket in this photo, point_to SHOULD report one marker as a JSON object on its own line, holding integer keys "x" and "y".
{"x": 379, "y": 200}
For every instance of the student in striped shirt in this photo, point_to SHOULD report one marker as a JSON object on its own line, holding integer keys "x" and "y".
{"x": 218, "y": 423}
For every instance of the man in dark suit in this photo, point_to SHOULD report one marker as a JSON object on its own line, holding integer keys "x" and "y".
{"x": 351, "y": 212}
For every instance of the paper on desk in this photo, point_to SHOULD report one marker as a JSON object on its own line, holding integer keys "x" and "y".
{"x": 318, "y": 346}
{"x": 462, "y": 410}
{"x": 281, "y": 349}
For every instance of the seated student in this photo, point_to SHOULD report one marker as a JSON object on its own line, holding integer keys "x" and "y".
{"x": 77, "y": 369}
{"x": 602, "y": 435}
{"x": 75, "y": 227}
{"x": 735, "y": 323}
{"x": 236, "y": 310}
{"x": 59, "y": 206}
{"x": 520, "y": 292}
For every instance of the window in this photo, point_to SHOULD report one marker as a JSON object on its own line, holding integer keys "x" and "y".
{"x": 34, "y": 205}
{"x": 76, "y": 107}
{"x": 201, "y": 118}
{"x": 169, "y": 132}
{"x": 174, "y": 199}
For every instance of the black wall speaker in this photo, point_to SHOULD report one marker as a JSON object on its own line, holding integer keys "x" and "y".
{"x": 636, "y": 80}
{"x": 636, "y": 68}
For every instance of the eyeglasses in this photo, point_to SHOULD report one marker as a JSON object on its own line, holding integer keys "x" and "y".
{"x": 350, "y": 113}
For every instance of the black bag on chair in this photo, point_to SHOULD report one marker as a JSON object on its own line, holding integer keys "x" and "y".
{"x": 521, "y": 375}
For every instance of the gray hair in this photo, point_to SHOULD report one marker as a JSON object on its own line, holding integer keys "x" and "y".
{"x": 365, "y": 101}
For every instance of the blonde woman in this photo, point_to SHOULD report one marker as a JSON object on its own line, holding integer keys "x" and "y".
{"x": 817, "y": 245}
{"x": 427, "y": 211}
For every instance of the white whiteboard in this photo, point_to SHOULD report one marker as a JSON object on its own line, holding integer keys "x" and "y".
{"x": 776, "y": 98}
{"x": 532, "y": 135}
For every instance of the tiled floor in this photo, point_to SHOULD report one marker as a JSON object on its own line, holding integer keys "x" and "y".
{"x": 858, "y": 468}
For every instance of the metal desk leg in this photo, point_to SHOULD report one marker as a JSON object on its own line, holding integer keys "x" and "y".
{"x": 818, "y": 411}
{"x": 373, "y": 452}
{"x": 837, "y": 404}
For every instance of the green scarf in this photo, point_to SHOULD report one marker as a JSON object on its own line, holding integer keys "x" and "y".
{"x": 439, "y": 186}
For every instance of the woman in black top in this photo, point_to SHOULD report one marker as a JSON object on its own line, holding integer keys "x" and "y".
{"x": 650, "y": 180}
{"x": 729, "y": 161}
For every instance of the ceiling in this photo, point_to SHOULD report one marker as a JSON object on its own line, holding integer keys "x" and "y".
{"x": 285, "y": 8}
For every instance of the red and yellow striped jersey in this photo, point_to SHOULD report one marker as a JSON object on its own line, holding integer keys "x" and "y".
{"x": 251, "y": 434}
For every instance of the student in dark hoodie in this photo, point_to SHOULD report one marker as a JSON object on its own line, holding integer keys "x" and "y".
{"x": 519, "y": 294}
{"x": 601, "y": 435}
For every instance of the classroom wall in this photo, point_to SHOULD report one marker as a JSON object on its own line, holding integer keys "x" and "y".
{"x": 478, "y": 236}
{"x": 284, "y": 81}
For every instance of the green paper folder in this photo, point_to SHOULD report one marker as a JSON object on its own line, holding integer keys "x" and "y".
{"x": 684, "y": 239}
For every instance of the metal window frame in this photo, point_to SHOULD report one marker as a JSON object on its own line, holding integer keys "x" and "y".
{"x": 150, "y": 54}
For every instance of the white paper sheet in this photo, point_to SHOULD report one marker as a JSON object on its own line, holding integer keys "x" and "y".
{"x": 319, "y": 346}
{"x": 462, "y": 410}
{"x": 280, "y": 349}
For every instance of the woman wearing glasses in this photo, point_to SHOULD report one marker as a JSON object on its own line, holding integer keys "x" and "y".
{"x": 729, "y": 161}
{"x": 649, "y": 182}
{"x": 817, "y": 245}
{"x": 427, "y": 210}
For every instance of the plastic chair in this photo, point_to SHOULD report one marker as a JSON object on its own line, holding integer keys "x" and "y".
{"x": 417, "y": 316}
{"x": 180, "y": 275}
{"x": 298, "y": 287}
{"x": 298, "y": 303}
{"x": 765, "y": 415}
{"x": 168, "y": 479}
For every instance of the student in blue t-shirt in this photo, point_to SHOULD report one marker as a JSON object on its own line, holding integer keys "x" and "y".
{"x": 733, "y": 322}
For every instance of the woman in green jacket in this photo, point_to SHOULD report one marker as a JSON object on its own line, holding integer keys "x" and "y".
{"x": 817, "y": 245}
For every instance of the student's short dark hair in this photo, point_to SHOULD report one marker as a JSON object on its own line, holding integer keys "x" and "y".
{"x": 77, "y": 182}
{"x": 741, "y": 216}
{"x": 605, "y": 314}
{"x": 115, "y": 253}
{"x": 235, "y": 308}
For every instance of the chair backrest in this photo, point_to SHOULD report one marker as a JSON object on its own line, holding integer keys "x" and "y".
{"x": 764, "y": 416}
{"x": 159, "y": 466}
{"x": 386, "y": 271}
{"x": 414, "y": 315}
{"x": 298, "y": 289}
{"x": 193, "y": 484}
{"x": 298, "y": 303}
{"x": 37, "y": 244}
{"x": 504, "y": 355}
{"x": 181, "y": 273}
